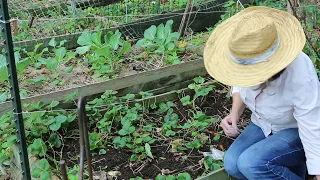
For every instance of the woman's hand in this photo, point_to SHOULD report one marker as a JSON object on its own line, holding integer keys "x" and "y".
{"x": 229, "y": 125}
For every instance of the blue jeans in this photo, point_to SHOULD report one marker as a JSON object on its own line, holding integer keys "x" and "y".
{"x": 254, "y": 156}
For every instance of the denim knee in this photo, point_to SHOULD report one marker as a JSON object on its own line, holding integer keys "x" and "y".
{"x": 246, "y": 162}
{"x": 230, "y": 165}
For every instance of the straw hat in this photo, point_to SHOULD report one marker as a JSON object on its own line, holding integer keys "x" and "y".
{"x": 253, "y": 45}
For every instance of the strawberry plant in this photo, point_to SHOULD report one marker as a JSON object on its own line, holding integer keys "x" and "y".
{"x": 42, "y": 171}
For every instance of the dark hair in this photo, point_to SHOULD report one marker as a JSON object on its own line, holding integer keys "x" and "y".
{"x": 274, "y": 77}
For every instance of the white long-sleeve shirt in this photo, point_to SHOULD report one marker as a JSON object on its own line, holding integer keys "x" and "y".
{"x": 290, "y": 101}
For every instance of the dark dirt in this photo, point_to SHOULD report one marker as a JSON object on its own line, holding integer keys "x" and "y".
{"x": 166, "y": 162}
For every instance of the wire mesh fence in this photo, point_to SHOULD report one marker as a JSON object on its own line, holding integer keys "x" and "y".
{"x": 37, "y": 19}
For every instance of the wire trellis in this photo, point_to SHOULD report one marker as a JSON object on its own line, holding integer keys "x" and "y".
{"x": 47, "y": 18}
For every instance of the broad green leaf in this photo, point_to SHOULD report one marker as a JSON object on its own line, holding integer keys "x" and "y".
{"x": 160, "y": 50}
{"x": 45, "y": 175}
{"x": 38, "y": 80}
{"x": 161, "y": 34}
{"x": 125, "y": 48}
{"x": 171, "y": 177}
{"x": 38, "y": 147}
{"x": 160, "y": 177}
{"x": 36, "y": 172}
{"x": 216, "y": 137}
{"x": 105, "y": 52}
{"x": 52, "y": 63}
{"x": 60, "y": 53}
{"x": 106, "y": 69}
{"x": 96, "y": 39}
{"x": 108, "y": 36}
{"x": 62, "y": 42}
{"x": 170, "y": 46}
{"x": 17, "y": 56}
{"x": 199, "y": 80}
{"x": 123, "y": 132}
{"x": 174, "y": 36}
{"x": 186, "y": 100}
{"x": 133, "y": 157}
{"x": 228, "y": 4}
{"x": 138, "y": 140}
{"x": 140, "y": 43}
{"x": 114, "y": 41}
{"x": 53, "y": 42}
{"x": 204, "y": 91}
{"x": 102, "y": 151}
{"x": 54, "y": 104}
{"x": 54, "y": 140}
{"x": 148, "y": 150}
{"x": 11, "y": 140}
{"x": 85, "y": 38}
{"x": 82, "y": 50}
{"x": 61, "y": 119}
{"x": 68, "y": 69}
{"x": 44, "y": 164}
{"x": 131, "y": 129}
{"x": 3, "y": 68}
{"x": 37, "y": 47}
{"x": 168, "y": 27}
{"x": 71, "y": 55}
{"x": 184, "y": 176}
{"x": 56, "y": 125}
{"x": 150, "y": 33}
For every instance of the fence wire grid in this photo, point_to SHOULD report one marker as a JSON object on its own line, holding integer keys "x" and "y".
{"x": 38, "y": 19}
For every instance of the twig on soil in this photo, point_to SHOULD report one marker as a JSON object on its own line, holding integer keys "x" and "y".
{"x": 140, "y": 167}
{"x": 184, "y": 118}
{"x": 102, "y": 159}
{"x": 189, "y": 168}
{"x": 157, "y": 167}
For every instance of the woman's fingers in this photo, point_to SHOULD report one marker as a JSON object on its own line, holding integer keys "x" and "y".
{"x": 228, "y": 128}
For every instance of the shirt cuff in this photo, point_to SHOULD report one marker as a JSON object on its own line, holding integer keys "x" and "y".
{"x": 234, "y": 89}
{"x": 313, "y": 166}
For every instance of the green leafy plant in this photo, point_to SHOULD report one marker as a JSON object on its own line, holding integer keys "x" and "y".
{"x": 200, "y": 89}
{"x": 211, "y": 164}
{"x": 161, "y": 40}
{"x": 180, "y": 176}
{"x": 38, "y": 147}
{"x": 105, "y": 57}
{"x": 21, "y": 64}
{"x": 42, "y": 171}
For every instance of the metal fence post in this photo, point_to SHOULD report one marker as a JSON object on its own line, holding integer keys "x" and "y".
{"x": 14, "y": 89}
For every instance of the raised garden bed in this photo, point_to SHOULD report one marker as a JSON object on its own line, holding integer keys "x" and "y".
{"x": 41, "y": 78}
{"x": 178, "y": 126}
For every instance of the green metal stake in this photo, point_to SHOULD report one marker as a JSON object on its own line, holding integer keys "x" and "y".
{"x": 14, "y": 89}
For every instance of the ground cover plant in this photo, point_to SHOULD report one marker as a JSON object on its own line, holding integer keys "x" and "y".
{"x": 128, "y": 138}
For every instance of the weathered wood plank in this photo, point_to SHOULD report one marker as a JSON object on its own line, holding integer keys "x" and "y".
{"x": 203, "y": 16}
{"x": 148, "y": 80}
